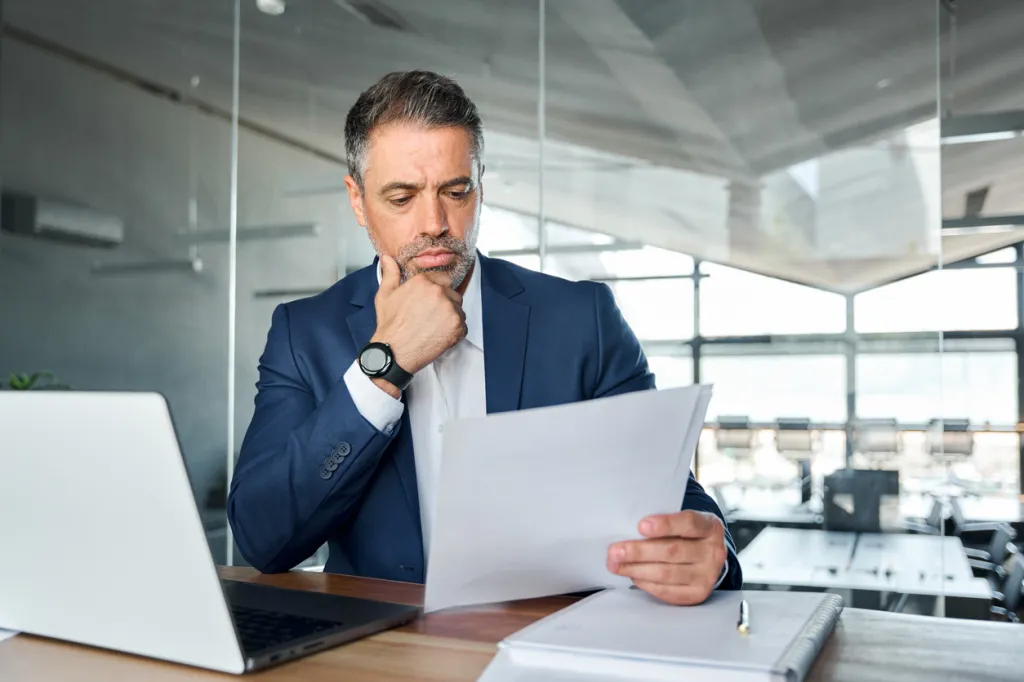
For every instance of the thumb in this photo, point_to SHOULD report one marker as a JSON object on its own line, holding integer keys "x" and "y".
{"x": 390, "y": 273}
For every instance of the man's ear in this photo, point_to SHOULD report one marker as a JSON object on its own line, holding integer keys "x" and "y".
{"x": 355, "y": 197}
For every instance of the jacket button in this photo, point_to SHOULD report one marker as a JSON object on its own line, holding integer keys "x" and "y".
{"x": 330, "y": 464}
{"x": 336, "y": 458}
{"x": 343, "y": 449}
{"x": 326, "y": 474}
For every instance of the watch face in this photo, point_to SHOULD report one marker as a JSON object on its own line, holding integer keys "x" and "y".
{"x": 374, "y": 360}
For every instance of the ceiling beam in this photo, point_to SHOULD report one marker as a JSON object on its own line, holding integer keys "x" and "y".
{"x": 1000, "y": 125}
{"x": 983, "y": 221}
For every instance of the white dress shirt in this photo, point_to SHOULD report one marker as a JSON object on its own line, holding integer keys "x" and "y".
{"x": 452, "y": 387}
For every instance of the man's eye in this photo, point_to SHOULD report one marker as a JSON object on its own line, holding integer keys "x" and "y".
{"x": 459, "y": 195}
{"x": 400, "y": 201}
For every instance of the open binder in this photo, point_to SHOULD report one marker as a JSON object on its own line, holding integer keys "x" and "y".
{"x": 625, "y": 634}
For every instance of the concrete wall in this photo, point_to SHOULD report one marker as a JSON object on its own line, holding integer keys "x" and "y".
{"x": 76, "y": 134}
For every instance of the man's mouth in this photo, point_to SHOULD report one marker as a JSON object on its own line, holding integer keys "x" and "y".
{"x": 434, "y": 258}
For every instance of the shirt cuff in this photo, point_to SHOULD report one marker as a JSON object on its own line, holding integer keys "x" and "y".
{"x": 375, "y": 405}
{"x": 725, "y": 566}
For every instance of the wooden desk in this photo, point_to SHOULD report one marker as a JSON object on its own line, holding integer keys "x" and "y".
{"x": 458, "y": 644}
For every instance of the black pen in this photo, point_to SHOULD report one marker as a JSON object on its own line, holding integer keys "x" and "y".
{"x": 743, "y": 625}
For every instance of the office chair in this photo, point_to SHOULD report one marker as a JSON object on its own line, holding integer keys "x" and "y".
{"x": 860, "y": 500}
{"x": 950, "y": 441}
{"x": 961, "y": 525}
{"x": 1009, "y": 600}
{"x": 879, "y": 441}
{"x": 735, "y": 440}
{"x": 988, "y": 563}
{"x": 734, "y": 436}
{"x": 795, "y": 441}
{"x": 932, "y": 525}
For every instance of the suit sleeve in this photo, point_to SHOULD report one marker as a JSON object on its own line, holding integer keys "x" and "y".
{"x": 622, "y": 367}
{"x": 302, "y": 466}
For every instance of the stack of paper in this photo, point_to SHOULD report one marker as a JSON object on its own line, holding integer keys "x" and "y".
{"x": 530, "y": 501}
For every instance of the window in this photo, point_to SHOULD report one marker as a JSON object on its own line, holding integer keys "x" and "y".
{"x": 657, "y": 310}
{"x": 941, "y": 300}
{"x": 671, "y": 371}
{"x": 647, "y": 261}
{"x": 917, "y": 387}
{"x": 738, "y": 303}
{"x": 766, "y": 387}
{"x": 504, "y": 230}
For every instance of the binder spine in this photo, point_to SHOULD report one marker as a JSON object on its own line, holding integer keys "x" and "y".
{"x": 800, "y": 656}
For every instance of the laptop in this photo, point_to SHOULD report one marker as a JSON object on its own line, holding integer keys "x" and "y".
{"x": 103, "y": 544}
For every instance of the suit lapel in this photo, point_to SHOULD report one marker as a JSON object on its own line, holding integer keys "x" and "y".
{"x": 505, "y": 323}
{"x": 361, "y": 325}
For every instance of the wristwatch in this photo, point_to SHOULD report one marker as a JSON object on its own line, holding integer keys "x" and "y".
{"x": 378, "y": 362}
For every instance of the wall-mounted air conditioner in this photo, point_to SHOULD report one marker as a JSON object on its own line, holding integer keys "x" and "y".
{"x": 25, "y": 214}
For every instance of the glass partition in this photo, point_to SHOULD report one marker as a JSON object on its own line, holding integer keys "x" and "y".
{"x": 116, "y": 150}
{"x": 799, "y": 164}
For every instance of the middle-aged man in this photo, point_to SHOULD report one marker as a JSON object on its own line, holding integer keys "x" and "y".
{"x": 356, "y": 383}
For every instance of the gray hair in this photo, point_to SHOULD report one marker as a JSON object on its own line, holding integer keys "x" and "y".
{"x": 422, "y": 97}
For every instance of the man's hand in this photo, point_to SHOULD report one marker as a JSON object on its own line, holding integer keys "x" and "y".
{"x": 680, "y": 560}
{"x": 419, "y": 319}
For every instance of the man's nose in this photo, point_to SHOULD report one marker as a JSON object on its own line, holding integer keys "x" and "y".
{"x": 435, "y": 220}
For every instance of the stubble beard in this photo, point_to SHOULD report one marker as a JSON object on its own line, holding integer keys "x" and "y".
{"x": 458, "y": 269}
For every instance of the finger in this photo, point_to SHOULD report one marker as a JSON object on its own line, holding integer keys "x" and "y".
{"x": 454, "y": 296}
{"x": 684, "y": 524}
{"x": 668, "y": 550}
{"x": 661, "y": 573}
{"x": 390, "y": 273}
{"x": 679, "y": 595}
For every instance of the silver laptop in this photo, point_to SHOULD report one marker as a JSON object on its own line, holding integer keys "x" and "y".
{"x": 103, "y": 545}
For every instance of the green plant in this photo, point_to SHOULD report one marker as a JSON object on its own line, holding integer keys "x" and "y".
{"x": 39, "y": 381}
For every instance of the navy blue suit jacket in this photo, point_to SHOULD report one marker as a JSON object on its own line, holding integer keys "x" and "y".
{"x": 313, "y": 470}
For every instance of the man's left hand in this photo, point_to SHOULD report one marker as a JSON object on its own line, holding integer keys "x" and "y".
{"x": 681, "y": 559}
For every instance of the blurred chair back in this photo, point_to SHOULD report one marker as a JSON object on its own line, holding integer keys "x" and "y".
{"x": 734, "y": 436}
{"x": 950, "y": 439}
{"x": 862, "y": 500}
{"x": 794, "y": 438}
{"x": 879, "y": 441}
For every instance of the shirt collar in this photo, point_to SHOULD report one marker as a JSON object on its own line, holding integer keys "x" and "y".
{"x": 471, "y": 305}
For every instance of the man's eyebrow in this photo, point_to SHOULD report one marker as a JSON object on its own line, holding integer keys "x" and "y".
{"x": 399, "y": 184}
{"x": 454, "y": 182}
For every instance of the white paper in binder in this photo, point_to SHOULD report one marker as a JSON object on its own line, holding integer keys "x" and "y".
{"x": 625, "y": 634}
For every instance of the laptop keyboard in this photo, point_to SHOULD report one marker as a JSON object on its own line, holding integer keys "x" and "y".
{"x": 261, "y": 629}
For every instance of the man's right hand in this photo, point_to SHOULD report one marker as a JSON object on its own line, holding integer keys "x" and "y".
{"x": 419, "y": 319}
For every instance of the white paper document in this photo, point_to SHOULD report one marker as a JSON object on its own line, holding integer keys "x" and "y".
{"x": 529, "y": 501}
{"x": 6, "y": 634}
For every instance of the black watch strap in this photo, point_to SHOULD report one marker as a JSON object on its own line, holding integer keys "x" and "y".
{"x": 378, "y": 362}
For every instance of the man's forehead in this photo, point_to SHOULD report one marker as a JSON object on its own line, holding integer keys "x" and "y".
{"x": 419, "y": 155}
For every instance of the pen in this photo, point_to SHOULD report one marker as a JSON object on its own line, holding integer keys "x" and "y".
{"x": 743, "y": 626}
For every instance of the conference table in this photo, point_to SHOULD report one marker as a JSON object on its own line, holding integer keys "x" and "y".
{"x": 878, "y": 563}
{"x": 457, "y": 644}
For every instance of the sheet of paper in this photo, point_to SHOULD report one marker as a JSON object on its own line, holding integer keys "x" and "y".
{"x": 6, "y": 634}
{"x": 529, "y": 501}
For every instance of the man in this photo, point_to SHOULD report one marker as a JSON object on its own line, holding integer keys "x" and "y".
{"x": 357, "y": 382}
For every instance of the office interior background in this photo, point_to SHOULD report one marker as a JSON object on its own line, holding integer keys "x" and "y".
{"x": 814, "y": 206}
